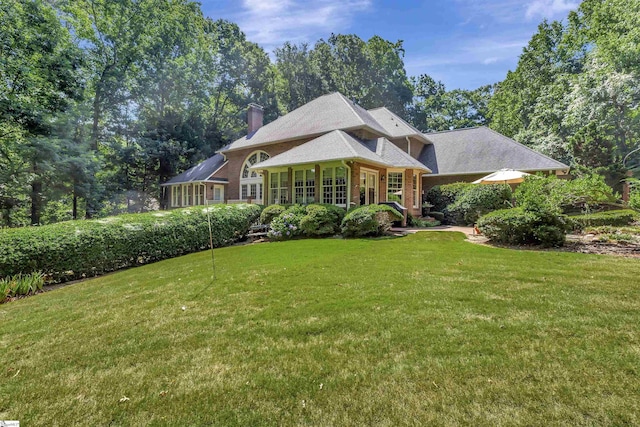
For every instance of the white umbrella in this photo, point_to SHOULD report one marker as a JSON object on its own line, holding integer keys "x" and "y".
{"x": 503, "y": 176}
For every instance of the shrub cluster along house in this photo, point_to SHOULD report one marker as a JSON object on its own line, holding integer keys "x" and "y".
{"x": 331, "y": 150}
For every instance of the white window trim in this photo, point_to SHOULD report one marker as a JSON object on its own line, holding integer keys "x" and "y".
{"x": 258, "y": 180}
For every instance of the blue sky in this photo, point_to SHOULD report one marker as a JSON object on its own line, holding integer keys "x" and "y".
{"x": 463, "y": 43}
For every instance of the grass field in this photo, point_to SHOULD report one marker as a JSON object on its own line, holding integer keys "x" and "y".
{"x": 425, "y": 329}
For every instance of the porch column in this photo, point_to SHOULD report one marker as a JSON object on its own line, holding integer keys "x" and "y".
{"x": 290, "y": 186}
{"x": 408, "y": 189}
{"x": 318, "y": 197}
{"x": 355, "y": 184}
{"x": 265, "y": 188}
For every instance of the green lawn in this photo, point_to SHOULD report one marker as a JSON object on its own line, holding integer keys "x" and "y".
{"x": 425, "y": 329}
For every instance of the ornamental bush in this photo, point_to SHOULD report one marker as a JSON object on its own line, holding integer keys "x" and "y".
{"x": 286, "y": 225}
{"x": 75, "y": 249}
{"x": 270, "y": 212}
{"x": 322, "y": 220}
{"x": 476, "y": 201}
{"x": 523, "y": 226}
{"x": 370, "y": 220}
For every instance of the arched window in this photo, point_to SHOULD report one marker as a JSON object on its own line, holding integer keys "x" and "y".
{"x": 251, "y": 181}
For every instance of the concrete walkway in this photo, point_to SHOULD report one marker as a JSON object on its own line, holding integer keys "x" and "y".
{"x": 466, "y": 230}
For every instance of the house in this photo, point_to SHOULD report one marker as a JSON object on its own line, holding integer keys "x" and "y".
{"x": 331, "y": 150}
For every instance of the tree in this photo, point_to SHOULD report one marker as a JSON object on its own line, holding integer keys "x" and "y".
{"x": 435, "y": 109}
{"x": 38, "y": 79}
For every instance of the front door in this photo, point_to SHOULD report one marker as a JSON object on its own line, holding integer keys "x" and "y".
{"x": 368, "y": 187}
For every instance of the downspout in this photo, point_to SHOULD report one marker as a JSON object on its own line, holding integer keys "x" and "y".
{"x": 348, "y": 186}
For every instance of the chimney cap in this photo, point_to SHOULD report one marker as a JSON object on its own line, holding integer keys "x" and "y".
{"x": 253, "y": 104}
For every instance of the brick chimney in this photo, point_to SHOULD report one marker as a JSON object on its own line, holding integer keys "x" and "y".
{"x": 255, "y": 115}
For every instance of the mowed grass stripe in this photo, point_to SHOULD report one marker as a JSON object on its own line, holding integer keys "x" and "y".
{"x": 415, "y": 330}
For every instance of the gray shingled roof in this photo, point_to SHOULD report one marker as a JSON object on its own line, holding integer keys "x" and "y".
{"x": 322, "y": 115}
{"x": 394, "y": 125}
{"x": 481, "y": 150}
{"x": 339, "y": 145}
{"x": 200, "y": 172}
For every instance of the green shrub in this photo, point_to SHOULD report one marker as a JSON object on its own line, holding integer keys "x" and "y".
{"x": 270, "y": 212}
{"x": 287, "y": 225}
{"x": 476, "y": 201}
{"x": 421, "y": 223}
{"x": 76, "y": 249}
{"x": 370, "y": 220}
{"x": 563, "y": 195}
{"x": 438, "y": 216}
{"x": 20, "y": 284}
{"x": 441, "y": 196}
{"x": 615, "y": 218}
{"x": 322, "y": 220}
{"x": 521, "y": 226}
{"x": 634, "y": 198}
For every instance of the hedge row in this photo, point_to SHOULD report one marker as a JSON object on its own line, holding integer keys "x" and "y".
{"x": 616, "y": 218}
{"x": 76, "y": 249}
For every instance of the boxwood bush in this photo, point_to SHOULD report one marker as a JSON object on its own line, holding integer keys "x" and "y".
{"x": 322, "y": 220}
{"x": 76, "y": 249}
{"x": 524, "y": 226}
{"x": 370, "y": 220}
{"x": 616, "y": 218}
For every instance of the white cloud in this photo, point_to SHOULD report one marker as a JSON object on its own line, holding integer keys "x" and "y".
{"x": 484, "y": 51}
{"x": 549, "y": 8}
{"x": 270, "y": 23}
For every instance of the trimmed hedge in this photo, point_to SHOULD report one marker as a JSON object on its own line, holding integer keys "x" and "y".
{"x": 370, "y": 220}
{"x": 616, "y": 218}
{"x": 76, "y": 249}
{"x": 520, "y": 226}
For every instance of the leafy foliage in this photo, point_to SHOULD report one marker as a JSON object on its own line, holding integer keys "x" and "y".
{"x": 21, "y": 284}
{"x": 525, "y": 226}
{"x": 442, "y": 196}
{"x": 370, "y": 220}
{"x": 564, "y": 195}
{"x": 478, "y": 200}
{"x": 322, "y": 220}
{"x": 613, "y": 218}
{"x": 270, "y": 212}
{"x": 287, "y": 225}
{"x": 73, "y": 249}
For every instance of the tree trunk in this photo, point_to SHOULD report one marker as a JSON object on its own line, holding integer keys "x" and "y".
{"x": 74, "y": 211}
{"x": 36, "y": 202}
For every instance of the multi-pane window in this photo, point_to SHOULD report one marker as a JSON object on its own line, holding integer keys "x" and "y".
{"x": 199, "y": 194}
{"x": 304, "y": 185}
{"x": 217, "y": 194}
{"x": 175, "y": 195}
{"x": 334, "y": 186}
{"x": 279, "y": 188}
{"x": 394, "y": 187}
{"x": 251, "y": 181}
